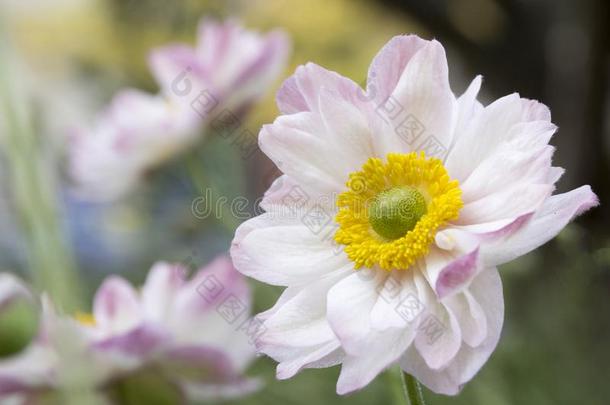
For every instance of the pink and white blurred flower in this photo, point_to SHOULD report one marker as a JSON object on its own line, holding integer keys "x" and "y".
{"x": 172, "y": 327}
{"x": 233, "y": 67}
{"x": 395, "y": 208}
{"x": 228, "y": 70}
{"x": 136, "y": 133}
{"x": 179, "y": 326}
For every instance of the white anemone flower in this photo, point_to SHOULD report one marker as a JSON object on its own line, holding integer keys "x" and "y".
{"x": 395, "y": 208}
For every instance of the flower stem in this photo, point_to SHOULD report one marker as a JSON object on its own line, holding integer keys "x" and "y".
{"x": 34, "y": 191}
{"x": 412, "y": 389}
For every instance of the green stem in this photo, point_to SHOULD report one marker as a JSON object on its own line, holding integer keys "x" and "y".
{"x": 33, "y": 187}
{"x": 412, "y": 390}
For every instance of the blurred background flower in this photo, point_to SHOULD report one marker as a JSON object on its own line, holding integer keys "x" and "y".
{"x": 172, "y": 341}
{"x": 74, "y": 55}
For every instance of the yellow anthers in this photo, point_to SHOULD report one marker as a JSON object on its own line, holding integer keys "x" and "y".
{"x": 85, "y": 318}
{"x": 412, "y": 171}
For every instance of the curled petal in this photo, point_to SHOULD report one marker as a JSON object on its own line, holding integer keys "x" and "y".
{"x": 544, "y": 225}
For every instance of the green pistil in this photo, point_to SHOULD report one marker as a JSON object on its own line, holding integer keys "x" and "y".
{"x": 395, "y": 212}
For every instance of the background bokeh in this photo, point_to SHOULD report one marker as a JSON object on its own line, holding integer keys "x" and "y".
{"x": 555, "y": 345}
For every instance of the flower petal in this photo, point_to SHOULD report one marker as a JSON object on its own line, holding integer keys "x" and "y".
{"x": 389, "y": 64}
{"x": 457, "y": 274}
{"x": 509, "y": 203}
{"x": 210, "y": 287}
{"x": 424, "y": 92}
{"x": 486, "y": 289}
{"x": 350, "y": 303}
{"x": 358, "y": 371}
{"x": 470, "y": 317}
{"x": 301, "y": 91}
{"x": 319, "y": 149}
{"x": 139, "y": 342}
{"x": 116, "y": 306}
{"x": 487, "y": 130}
{"x": 296, "y": 332}
{"x": 294, "y": 144}
{"x": 397, "y": 305}
{"x": 159, "y": 291}
{"x": 546, "y": 223}
{"x": 439, "y": 335}
{"x": 213, "y": 309}
{"x": 283, "y": 252}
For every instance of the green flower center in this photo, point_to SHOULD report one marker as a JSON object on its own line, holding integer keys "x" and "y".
{"x": 395, "y": 211}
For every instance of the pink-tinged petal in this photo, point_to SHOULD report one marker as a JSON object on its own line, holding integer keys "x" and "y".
{"x": 283, "y": 252}
{"x": 239, "y": 63}
{"x": 252, "y": 82}
{"x": 213, "y": 309}
{"x": 546, "y": 223}
{"x": 140, "y": 342}
{"x": 358, "y": 371}
{"x": 470, "y": 316}
{"x": 348, "y": 132}
{"x": 320, "y": 147}
{"x": 210, "y": 286}
{"x": 301, "y": 92}
{"x": 233, "y": 65}
{"x": 509, "y": 203}
{"x": 495, "y": 229}
{"x": 457, "y": 274}
{"x": 282, "y": 195}
{"x": 389, "y": 64}
{"x": 467, "y": 103}
{"x": 424, "y": 93}
{"x": 506, "y": 169}
{"x": 29, "y": 371}
{"x": 295, "y": 331}
{"x": 489, "y": 129}
{"x": 116, "y": 306}
{"x": 10, "y": 385}
{"x": 439, "y": 335}
{"x": 214, "y": 40}
{"x": 175, "y": 67}
{"x": 486, "y": 289}
{"x": 451, "y": 244}
{"x": 295, "y": 145}
{"x": 159, "y": 291}
{"x": 407, "y": 119}
{"x": 137, "y": 131}
{"x": 289, "y": 98}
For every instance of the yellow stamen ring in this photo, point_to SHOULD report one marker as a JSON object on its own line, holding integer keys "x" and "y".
{"x": 427, "y": 178}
